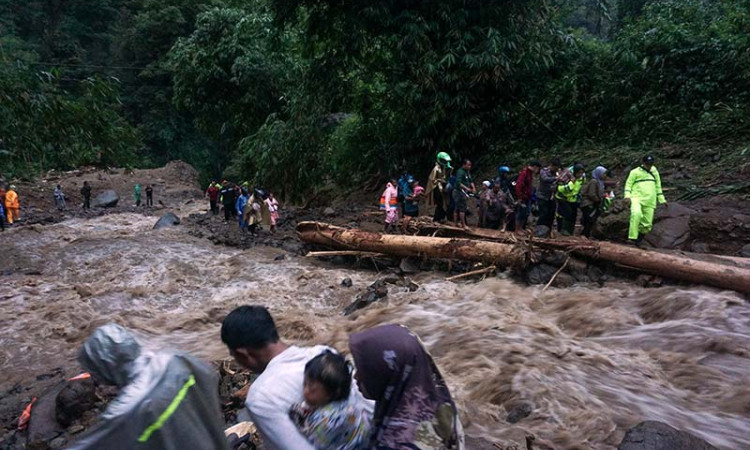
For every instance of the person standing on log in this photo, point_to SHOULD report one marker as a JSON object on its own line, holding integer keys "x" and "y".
{"x": 464, "y": 188}
{"x": 389, "y": 204}
{"x": 228, "y": 197}
{"x": 435, "y": 192}
{"x": 643, "y": 191}
{"x": 567, "y": 201}
{"x": 592, "y": 195}
{"x": 86, "y": 193}
{"x": 546, "y": 193}
{"x": 524, "y": 192}
{"x": 149, "y": 195}
{"x": 213, "y": 196}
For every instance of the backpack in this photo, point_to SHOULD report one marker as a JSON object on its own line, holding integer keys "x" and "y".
{"x": 403, "y": 185}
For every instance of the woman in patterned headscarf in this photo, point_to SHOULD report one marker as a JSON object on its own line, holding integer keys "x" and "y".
{"x": 413, "y": 406}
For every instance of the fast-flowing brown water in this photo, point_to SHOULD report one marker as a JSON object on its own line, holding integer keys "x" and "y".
{"x": 591, "y": 362}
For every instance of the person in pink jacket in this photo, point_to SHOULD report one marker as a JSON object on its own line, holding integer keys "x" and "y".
{"x": 389, "y": 204}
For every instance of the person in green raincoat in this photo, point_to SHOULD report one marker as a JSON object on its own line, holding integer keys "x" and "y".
{"x": 643, "y": 191}
{"x": 567, "y": 197}
{"x": 137, "y": 194}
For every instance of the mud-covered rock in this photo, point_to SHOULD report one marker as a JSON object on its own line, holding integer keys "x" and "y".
{"x": 106, "y": 199}
{"x": 671, "y": 226}
{"x": 167, "y": 220}
{"x": 376, "y": 291}
{"x": 346, "y": 282}
{"x": 519, "y": 412}
{"x": 540, "y": 273}
{"x": 652, "y": 435}
{"x": 745, "y": 251}
{"x": 329, "y": 212}
{"x": 75, "y": 398}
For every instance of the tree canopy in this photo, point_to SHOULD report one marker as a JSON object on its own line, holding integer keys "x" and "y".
{"x": 302, "y": 95}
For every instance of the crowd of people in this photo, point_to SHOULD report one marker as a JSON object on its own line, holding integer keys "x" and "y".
{"x": 555, "y": 193}
{"x": 250, "y": 207}
{"x": 391, "y": 395}
{"x": 10, "y": 205}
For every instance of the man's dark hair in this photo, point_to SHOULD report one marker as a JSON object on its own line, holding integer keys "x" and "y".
{"x": 248, "y": 326}
{"x": 535, "y": 163}
{"x": 333, "y": 372}
{"x": 464, "y": 161}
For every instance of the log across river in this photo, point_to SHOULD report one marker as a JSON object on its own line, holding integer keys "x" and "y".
{"x": 513, "y": 251}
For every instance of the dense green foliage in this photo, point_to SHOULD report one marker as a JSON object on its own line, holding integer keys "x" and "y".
{"x": 300, "y": 95}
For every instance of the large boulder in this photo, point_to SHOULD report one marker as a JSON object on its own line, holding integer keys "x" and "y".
{"x": 76, "y": 398}
{"x": 651, "y": 435}
{"x": 671, "y": 226}
{"x": 167, "y": 220}
{"x": 106, "y": 199}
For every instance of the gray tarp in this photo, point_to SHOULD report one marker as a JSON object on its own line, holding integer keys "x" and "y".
{"x": 167, "y": 400}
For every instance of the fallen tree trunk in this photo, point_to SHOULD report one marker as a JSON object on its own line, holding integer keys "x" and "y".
{"x": 718, "y": 272}
{"x": 500, "y": 254}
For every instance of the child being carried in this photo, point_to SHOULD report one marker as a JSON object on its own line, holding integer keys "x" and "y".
{"x": 326, "y": 418}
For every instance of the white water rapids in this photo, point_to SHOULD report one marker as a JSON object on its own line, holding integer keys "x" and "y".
{"x": 591, "y": 361}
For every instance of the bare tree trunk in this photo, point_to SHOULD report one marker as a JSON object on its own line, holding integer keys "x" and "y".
{"x": 712, "y": 270}
{"x": 504, "y": 255}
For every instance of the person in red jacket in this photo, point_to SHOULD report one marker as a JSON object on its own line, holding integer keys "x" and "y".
{"x": 213, "y": 196}
{"x": 524, "y": 192}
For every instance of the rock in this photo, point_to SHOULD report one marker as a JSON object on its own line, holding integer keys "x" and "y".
{"x": 745, "y": 251}
{"x": 329, "y": 212}
{"x": 57, "y": 443}
{"x": 166, "y": 221}
{"x": 652, "y": 435}
{"x": 700, "y": 247}
{"x": 563, "y": 280}
{"x": 408, "y": 266}
{"x": 75, "y": 398}
{"x": 374, "y": 292}
{"x": 106, "y": 199}
{"x": 671, "y": 226}
{"x": 76, "y": 429}
{"x": 43, "y": 426}
{"x": 279, "y": 258}
{"x": 519, "y": 412}
{"x": 292, "y": 247}
{"x": 346, "y": 282}
{"x": 541, "y": 231}
{"x": 540, "y": 273}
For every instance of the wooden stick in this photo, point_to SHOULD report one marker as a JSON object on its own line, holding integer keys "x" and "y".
{"x": 556, "y": 273}
{"x": 473, "y": 272}
{"x": 346, "y": 253}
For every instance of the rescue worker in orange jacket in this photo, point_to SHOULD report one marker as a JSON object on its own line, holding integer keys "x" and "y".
{"x": 12, "y": 206}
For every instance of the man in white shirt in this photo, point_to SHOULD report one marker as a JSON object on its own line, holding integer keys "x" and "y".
{"x": 250, "y": 334}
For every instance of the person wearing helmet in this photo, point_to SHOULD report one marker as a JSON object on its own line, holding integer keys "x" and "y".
{"x": 567, "y": 201}
{"x": 505, "y": 181}
{"x": 435, "y": 191}
{"x": 643, "y": 191}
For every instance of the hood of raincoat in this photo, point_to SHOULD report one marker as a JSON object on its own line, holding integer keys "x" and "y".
{"x": 110, "y": 354}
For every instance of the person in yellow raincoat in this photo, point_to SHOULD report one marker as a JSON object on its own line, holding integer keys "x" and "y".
{"x": 643, "y": 189}
{"x": 11, "y": 205}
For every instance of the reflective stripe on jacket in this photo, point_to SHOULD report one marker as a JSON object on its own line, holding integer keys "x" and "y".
{"x": 645, "y": 185}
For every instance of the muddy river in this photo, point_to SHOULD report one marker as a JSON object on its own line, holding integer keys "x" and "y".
{"x": 589, "y": 361}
